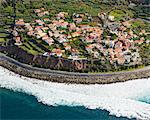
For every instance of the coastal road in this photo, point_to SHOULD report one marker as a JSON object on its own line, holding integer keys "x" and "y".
{"x": 28, "y": 67}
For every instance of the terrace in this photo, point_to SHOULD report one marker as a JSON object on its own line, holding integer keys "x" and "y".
{"x": 60, "y": 37}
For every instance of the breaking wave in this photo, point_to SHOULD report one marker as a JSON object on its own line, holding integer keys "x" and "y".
{"x": 128, "y": 99}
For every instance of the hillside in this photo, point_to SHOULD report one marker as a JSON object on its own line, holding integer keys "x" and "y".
{"x": 100, "y": 35}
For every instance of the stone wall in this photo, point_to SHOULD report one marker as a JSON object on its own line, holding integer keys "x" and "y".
{"x": 71, "y": 77}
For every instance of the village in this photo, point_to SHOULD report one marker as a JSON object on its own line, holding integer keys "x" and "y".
{"x": 75, "y": 37}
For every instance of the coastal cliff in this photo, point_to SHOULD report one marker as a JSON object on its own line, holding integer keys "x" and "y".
{"x": 72, "y": 77}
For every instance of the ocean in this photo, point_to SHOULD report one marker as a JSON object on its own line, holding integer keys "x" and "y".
{"x": 25, "y": 98}
{"x": 17, "y": 105}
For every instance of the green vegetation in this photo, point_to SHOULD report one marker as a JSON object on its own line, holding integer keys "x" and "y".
{"x": 137, "y": 24}
{"x": 142, "y": 11}
{"x": 29, "y": 50}
{"x": 118, "y": 14}
{"x": 93, "y": 7}
{"x": 145, "y": 53}
{"x": 2, "y": 40}
{"x": 3, "y": 35}
{"x": 119, "y": 9}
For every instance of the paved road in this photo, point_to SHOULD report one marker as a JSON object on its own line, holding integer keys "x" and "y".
{"x": 28, "y": 67}
{"x": 145, "y": 20}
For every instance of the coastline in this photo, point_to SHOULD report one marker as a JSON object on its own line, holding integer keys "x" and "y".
{"x": 72, "y": 77}
{"x": 127, "y": 99}
{"x": 41, "y": 111}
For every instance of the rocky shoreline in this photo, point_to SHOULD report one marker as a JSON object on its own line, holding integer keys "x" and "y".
{"x": 72, "y": 77}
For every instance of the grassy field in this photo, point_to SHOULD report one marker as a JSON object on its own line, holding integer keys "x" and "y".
{"x": 2, "y": 40}
{"x": 2, "y": 37}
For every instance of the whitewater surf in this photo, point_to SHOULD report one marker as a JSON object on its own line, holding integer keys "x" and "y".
{"x": 120, "y": 99}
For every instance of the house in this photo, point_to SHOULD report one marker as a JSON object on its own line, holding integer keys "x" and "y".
{"x": 56, "y": 34}
{"x": 37, "y": 10}
{"x": 51, "y": 26}
{"x": 64, "y": 24}
{"x": 61, "y": 15}
{"x": 111, "y": 51}
{"x": 77, "y": 20}
{"x": 74, "y": 52}
{"x": 67, "y": 46}
{"x": 30, "y": 33}
{"x": 62, "y": 31}
{"x": 85, "y": 27}
{"x": 45, "y": 37}
{"x": 38, "y": 28}
{"x": 56, "y": 23}
{"x": 76, "y": 34}
{"x": 96, "y": 54}
{"x": 78, "y": 29}
{"x": 39, "y": 22}
{"x": 118, "y": 44}
{"x": 127, "y": 58}
{"x": 93, "y": 35}
{"x": 89, "y": 39}
{"x": 30, "y": 28}
{"x": 139, "y": 41}
{"x": 122, "y": 28}
{"x": 18, "y": 40}
{"x": 46, "y": 13}
{"x": 15, "y": 33}
{"x": 111, "y": 18}
{"x": 98, "y": 31}
{"x": 20, "y": 22}
{"x": 47, "y": 19}
{"x": 42, "y": 9}
{"x": 121, "y": 60}
{"x": 58, "y": 52}
{"x": 46, "y": 54}
{"x": 72, "y": 26}
{"x": 50, "y": 33}
{"x": 40, "y": 34}
{"x": 117, "y": 51}
{"x": 126, "y": 24}
{"x": 99, "y": 46}
{"x": 126, "y": 45}
{"x": 75, "y": 57}
{"x": 44, "y": 29}
{"x": 135, "y": 56}
{"x": 41, "y": 14}
{"x": 102, "y": 16}
{"x": 113, "y": 26}
{"x": 142, "y": 32}
{"x": 89, "y": 48}
{"x": 62, "y": 38}
{"x": 130, "y": 33}
{"x": 50, "y": 41}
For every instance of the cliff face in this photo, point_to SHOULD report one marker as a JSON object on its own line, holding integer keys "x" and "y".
{"x": 53, "y": 63}
{"x": 43, "y": 61}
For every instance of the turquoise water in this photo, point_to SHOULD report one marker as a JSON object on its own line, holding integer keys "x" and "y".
{"x": 17, "y": 105}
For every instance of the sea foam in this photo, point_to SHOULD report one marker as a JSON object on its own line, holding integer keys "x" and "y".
{"x": 120, "y": 99}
